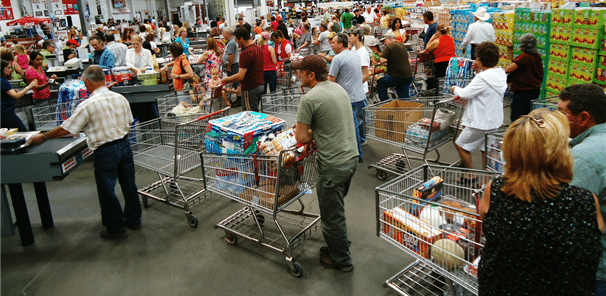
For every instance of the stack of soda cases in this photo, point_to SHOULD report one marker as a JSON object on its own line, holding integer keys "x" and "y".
{"x": 559, "y": 51}
{"x": 537, "y": 23}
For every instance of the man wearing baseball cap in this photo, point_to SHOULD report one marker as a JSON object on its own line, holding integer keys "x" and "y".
{"x": 399, "y": 73}
{"x": 478, "y": 32}
{"x": 69, "y": 51}
{"x": 325, "y": 117}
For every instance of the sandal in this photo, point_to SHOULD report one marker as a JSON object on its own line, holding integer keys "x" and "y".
{"x": 328, "y": 262}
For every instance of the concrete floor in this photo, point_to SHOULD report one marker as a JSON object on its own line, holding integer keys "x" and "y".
{"x": 168, "y": 257}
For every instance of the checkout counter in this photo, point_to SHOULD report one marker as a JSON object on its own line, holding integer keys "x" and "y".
{"x": 49, "y": 162}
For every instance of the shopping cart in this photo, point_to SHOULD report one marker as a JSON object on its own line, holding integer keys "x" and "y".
{"x": 443, "y": 231}
{"x": 550, "y": 103}
{"x": 283, "y": 103}
{"x": 286, "y": 77}
{"x": 51, "y": 113}
{"x": 169, "y": 106}
{"x": 494, "y": 151}
{"x": 413, "y": 126}
{"x": 266, "y": 185}
{"x": 171, "y": 150}
{"x": 444, "y": 84}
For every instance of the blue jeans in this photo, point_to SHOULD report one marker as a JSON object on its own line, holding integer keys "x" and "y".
{"x": 402, "y": 86}
{"x": 332, "y": 187}
{"x": 11, "y": 120}
{"x": 600, "y": 288}
{"x": 271, "y": 78}
{"x": 111, "y": 163}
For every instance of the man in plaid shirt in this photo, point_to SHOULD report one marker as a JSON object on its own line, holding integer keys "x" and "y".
{"x": 105, "y": 117}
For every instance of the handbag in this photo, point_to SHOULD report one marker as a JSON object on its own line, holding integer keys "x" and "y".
{"x": 425, "y": 57}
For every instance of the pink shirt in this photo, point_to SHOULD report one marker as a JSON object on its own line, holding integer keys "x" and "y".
{"x": 31, "y": 74}
{"x": 23, "y": 61}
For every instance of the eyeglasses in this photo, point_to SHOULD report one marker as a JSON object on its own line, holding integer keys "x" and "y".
{"x": 539, "y": 121}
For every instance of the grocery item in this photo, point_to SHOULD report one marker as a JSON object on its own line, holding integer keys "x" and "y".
{"x": 265, "y": 195}
{"x": 70, "y": 94}
{"x": 240, "y": 133}
{"x": 432, "y": 216}
{"x": 463, "y": 214}
{"x": 447, "y": 254}
{"x": 410, "y": 231}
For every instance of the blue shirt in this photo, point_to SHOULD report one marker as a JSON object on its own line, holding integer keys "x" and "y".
{"x": 431, "y": 30}
{"x": 589, "y": 154}
{"x": 345, "y": 67}
{"x": 8, "y": 102}
{"x": 185, "y": 45}
{"x": 107, "y": 59}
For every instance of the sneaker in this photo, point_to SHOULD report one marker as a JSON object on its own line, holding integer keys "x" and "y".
{"x": 120, "y": 234}
{"x": 328, "y": 262}
{"x": 363, "y": 143}
{"x": 132, "y": 226}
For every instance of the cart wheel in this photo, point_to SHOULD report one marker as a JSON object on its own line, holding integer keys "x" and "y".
{"x": 296, "y": 269}
{"x": 192, "y": 220}
{"x": 260, "y": 217}
{"x": 381, "y": 175}
{"x": 231, "y": 238}
{"x": 145, "y": 201}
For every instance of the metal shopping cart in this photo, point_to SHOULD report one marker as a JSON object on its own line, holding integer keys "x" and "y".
{"x": 266, "y": 185}
{"x": 51, "y": 114}
{"x": 207, "y": 102}
{"x": 171, "y": 149}
{"x": 442, "y": 232}
{"x": 413, "y": 126}
{"x": 550, "y": 103}
{"x": 286, "y": 76}
{"x": 283, "y": 103}
{"x": 494, "y": 151}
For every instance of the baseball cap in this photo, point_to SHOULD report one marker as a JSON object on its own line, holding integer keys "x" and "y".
{"x": 313, "y": 63}
{"x": 389, "y": 35}
{"x": 374, "y": 43}
{"x": 73, "y": 41}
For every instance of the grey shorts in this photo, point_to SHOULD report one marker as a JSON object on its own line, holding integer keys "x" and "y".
{"x": 471, "y": 139}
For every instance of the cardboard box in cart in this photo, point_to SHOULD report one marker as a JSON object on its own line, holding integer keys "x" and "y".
{"x": 392, "y": 122}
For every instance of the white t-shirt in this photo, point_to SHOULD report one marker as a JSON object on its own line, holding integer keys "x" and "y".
{"x": 369, "y": 17}
{"x": 324, "y": 41}
{"x": 364, "y": 62}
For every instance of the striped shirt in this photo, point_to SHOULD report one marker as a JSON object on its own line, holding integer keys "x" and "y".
{"x": 119, "y": 51}
{"x": 104, "y": 117}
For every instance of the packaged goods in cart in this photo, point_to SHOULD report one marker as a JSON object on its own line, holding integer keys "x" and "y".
{"x": 264, "y": 195}
{"x": 272, "y": 144}
{"x": 71, "y": 93}
{"x": 410, "y": 231}
{"x": 459, "y": 213}
{"x": 448, "y": 254}
{"x": 430, "y": 190}
{"x": 472, "y": 268}
{"x": 239, "y": 133}
{"x": 184, "y": 109}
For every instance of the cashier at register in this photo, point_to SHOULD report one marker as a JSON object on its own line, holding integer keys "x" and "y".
{"x": 105, "y": 117}
{"x": 69, "y": 51}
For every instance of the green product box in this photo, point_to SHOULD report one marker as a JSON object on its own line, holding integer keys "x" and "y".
{"x": 589, "y": 18}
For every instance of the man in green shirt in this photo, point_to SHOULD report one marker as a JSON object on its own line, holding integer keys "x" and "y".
{"x": 585, "y": 107}
{"x": 325, "y": 116}
{"x": 48, "y": 48}
{"x": 346, "y": 18}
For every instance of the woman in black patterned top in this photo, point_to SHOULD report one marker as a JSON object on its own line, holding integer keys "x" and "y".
{"x": 542, "y": 235}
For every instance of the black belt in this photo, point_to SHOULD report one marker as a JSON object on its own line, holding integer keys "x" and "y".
{"x": 114, "y": 142}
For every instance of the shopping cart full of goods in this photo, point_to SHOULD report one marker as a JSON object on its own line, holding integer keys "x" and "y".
{"x": 418, "y": 126}
{"x": 267, "y": 178}
{"x": 283, "y": 103}
{"x": 52, "y": 113}
{"x": 171, "y": 149}
{"x": 433, "y": 217}
{"x": 286, "y": 76}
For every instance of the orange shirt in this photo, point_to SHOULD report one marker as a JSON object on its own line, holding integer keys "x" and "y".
{"x": 179, "y": 68}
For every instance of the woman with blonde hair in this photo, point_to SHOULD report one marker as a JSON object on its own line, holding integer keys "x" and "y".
{"x": 138, "y": 58}
{"x": 211, "y": 57}
{"x": 443, "y": 48}
{"x": 270, "y": 74}
{"x": 542, "y": 234}
{"x": 182, "y": 38}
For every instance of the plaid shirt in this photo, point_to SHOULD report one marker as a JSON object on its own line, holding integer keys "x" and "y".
{"x": 119, "y": 51}
{"x": 104, "y": 117}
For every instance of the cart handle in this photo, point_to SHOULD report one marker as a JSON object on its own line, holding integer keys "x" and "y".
{"x": 214, "y": 113}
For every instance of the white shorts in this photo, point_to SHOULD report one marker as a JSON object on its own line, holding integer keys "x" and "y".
{"x": 471, "y": 139}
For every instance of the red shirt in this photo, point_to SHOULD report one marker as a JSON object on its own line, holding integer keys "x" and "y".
{"x": 274, "y": 26}
{"x": 268, "y": 64}
{"x": 529, "y": 74}
{"x": 251, "y": 59}
{"x": 445, "y": 49}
